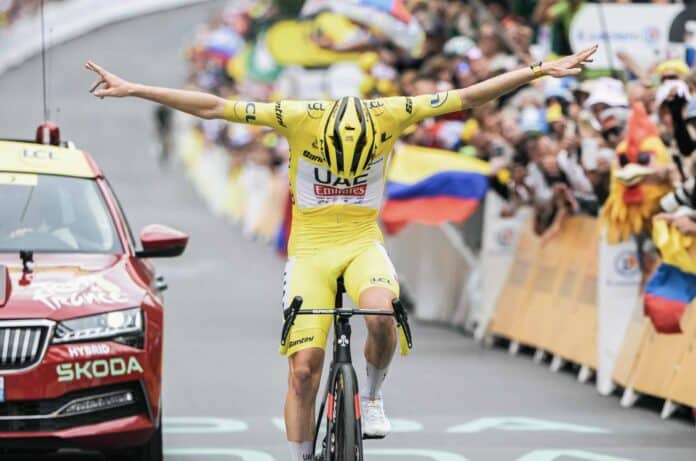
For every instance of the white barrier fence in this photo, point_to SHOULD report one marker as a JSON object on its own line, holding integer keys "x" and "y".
{"x": 70, "y": 19}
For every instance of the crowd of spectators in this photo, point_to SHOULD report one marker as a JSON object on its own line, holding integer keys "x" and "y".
{"x": 552, "y": 144}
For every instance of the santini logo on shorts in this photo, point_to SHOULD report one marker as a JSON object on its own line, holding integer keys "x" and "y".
{"x": 300, "y": 341}
{"x": 380, "y": 280}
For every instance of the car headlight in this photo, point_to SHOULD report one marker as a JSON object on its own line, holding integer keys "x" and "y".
{"x": 125, "y": 327}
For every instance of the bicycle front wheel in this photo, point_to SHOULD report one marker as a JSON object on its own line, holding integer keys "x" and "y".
{"x": 345, "y": 432}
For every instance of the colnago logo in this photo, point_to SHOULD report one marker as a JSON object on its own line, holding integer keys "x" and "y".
{"x": 116, "y": 366}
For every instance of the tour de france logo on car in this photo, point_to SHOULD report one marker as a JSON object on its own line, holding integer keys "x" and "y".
{"x": 82, "y": 291}
{"x": 626, "y": 263}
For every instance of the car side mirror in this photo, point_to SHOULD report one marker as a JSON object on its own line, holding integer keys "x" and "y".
{"x": 161, "y": 242}
{"x": 5, "y": 285}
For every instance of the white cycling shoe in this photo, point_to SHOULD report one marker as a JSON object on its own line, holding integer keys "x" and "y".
{"x": 375, "y": 424}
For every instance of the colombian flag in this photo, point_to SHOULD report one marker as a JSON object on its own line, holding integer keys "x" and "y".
{"x": 432, "y": 186}
{"x": 673, "y": 285}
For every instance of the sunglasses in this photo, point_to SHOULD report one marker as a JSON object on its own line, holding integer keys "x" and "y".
{"x": 669, "y": 77}
{"x": 643, "y": 159}
{"x": 611, "y": 132}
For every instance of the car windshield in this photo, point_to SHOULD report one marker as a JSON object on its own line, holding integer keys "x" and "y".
{"x": 46, "y": 213}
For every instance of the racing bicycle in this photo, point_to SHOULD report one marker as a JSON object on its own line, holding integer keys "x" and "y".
{"x": 341, "y": 399}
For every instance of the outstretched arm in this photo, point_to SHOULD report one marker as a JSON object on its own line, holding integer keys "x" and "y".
{"x": 193, "y": 102}
{"x": 427, "y": 105}
{"x": 490, "y": 89}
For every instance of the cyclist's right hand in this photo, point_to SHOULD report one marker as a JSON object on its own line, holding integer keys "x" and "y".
{"x": 108, "y": 84}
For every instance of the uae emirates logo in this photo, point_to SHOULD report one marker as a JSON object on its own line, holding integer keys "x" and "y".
{"x": 330, "y": 191}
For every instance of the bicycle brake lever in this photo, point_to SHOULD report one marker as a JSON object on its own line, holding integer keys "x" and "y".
{"x": 402, "y": 320}
{"x": 290, "y": 313}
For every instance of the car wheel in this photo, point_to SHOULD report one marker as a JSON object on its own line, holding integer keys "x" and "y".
{"x": 150, "y": 451}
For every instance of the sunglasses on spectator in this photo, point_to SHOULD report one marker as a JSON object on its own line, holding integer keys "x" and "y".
{"x": 643, "y": 159}
{"x": 610, "y": 132}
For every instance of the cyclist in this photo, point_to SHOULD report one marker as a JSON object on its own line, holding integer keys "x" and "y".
{"x": 339, "y": 152}
{"x": 163, "y": 125}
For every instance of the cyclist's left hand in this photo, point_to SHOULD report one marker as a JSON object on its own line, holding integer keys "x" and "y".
{"x": 569, "y": 65}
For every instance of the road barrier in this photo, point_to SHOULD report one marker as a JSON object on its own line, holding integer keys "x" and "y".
{"x": 70, "y": 19}
{"x": 550, "y": 302}
{"x": 222, "y": 182}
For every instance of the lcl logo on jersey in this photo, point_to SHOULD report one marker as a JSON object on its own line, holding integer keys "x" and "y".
{"x": 249, "y": 110}
{"x": 315, "y": 109}
{"x": 376, "y": 107}
{"x": 439, "y": 99}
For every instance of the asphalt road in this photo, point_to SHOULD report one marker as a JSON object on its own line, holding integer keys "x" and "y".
{"x": 224, "y": 382}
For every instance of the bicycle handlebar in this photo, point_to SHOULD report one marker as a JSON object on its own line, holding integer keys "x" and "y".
{"x": 293, "y": 311}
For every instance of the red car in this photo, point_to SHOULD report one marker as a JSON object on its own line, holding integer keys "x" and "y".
{"x": 80, "y": 308}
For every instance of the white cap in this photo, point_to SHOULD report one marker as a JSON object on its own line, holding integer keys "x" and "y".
{"x": 458, "y": 46}
{"x": 609, "y": 91}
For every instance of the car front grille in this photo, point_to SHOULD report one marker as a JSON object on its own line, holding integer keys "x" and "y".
{"x": 23, "y": 343}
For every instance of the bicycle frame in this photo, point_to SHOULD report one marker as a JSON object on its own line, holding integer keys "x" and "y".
{"x": 342, "y": 358}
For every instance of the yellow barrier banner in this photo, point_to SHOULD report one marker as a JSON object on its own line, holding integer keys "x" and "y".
{"x": 682, "y": 388}
{"x": 512, "y": 301}
{"x": 549, "y": 299}
{"x": 575, "y": 334}
{"x": 661, "y": 365}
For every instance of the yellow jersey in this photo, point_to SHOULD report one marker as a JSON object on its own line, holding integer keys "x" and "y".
{"x": 329, "y": 210}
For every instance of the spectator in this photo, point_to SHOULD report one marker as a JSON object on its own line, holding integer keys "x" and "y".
{"x": 558, "y": 14}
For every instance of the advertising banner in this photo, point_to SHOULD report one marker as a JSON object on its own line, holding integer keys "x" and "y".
{"x": 648, "y": 32}
{"x": 618, "y": 296}
{"x": 500, "y": 237}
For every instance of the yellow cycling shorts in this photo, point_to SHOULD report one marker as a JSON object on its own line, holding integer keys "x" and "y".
{"x": 313, "y": 277}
